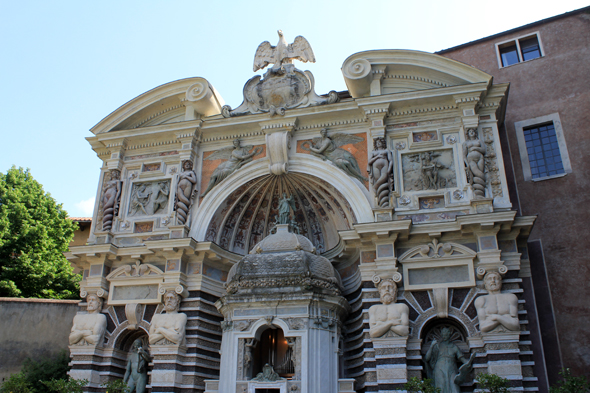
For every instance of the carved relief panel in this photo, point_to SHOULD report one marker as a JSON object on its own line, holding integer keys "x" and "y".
{"x": 429, "y": 170}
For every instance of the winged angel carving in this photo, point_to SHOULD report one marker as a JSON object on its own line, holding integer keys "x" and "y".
{"x": 236, "y": 157}
{"x": 283, "y": 53}
{"x": 328, "y": 148}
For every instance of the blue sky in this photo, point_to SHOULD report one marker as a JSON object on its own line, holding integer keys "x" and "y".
{"x": 65, "y": 65}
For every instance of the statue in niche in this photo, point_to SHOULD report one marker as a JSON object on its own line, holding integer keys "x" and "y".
{"x": 111, "y": 197}
{"x": 169, "y": 328}
{"x": 236, "y": 156}
{"x": 389, "y": 318}
{"x": 441, "y": 364}
{"x": 474, "y": 151}
{"x": 161, "y": 198}
{"x": 328, "y": 148}
{"x": 497, "y": 311}
{"x": 285, "y": 207}
{"x": 136, "y": 375}
{"x": 89, "y": 329}
{"x": 268, "y": 374}
{"x": 380, "y": 169}
{"x": 140, "y": 198}
{"x": 429, "y": 168}
{"x": 185, "y": 191}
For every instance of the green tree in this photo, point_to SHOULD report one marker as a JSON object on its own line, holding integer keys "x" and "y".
{"x": 67, "y": 385}
{"x": 417, "y": 385}
{"x": 34, "y": 233}
{"x": 570, "y": 384}
{"x": 492, "y": 383}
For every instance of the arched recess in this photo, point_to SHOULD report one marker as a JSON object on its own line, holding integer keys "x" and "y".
{"x": 241, "y": 210}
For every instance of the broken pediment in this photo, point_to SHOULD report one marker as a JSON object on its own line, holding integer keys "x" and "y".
{"x": 178, "y": 101}
{"x": 378, "y": 72}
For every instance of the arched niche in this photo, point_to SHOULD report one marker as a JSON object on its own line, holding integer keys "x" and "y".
{"x": 126, "y": 338}
{"x": 241, "y": 210}
{"x": 431, "y": 330}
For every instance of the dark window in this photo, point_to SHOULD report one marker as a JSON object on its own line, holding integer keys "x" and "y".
{"x": 530, "y": 48}
{"x": 520, "y": 50}
{"x": 509, "y": 55}
{"x": 543, "y": 151}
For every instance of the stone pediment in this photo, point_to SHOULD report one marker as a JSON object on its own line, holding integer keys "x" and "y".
{"x": 380, "y": 72}
{"x": 181, "y": 100}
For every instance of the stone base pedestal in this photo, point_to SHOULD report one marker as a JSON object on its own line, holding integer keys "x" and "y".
{"x": 390, "y": 362}
{"x": 346, "y": 385}
{"x": 97, "y": 365}
{"x": 503, "y": 356}
{"x": 482, "y": 205}
{"x": 167, "y": 373}
{"x": 104, "y": 237}
{"x": 383, "y": 214}
{"x": 178, "y": 231}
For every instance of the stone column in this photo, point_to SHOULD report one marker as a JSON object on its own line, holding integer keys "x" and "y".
{"x": 390, "y": 362}
{"x": 502, "y": 355}
{"x": 167, "y": 373}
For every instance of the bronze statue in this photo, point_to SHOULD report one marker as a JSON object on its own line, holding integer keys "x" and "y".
{"x": 136, "y": 373}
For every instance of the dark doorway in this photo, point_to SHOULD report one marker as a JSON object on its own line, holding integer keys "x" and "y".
{"x": 274, "y": 350}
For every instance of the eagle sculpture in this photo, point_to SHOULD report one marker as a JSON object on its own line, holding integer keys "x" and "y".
{"x": 283, "y": 53}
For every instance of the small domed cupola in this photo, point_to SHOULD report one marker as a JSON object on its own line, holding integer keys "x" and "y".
{"x": 283, "y": 262}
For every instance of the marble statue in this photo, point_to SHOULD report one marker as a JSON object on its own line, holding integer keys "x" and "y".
{"x": 169, "y": 328}
{"x": 236, "y": 156}
{"x": 268, "y": 374}
{"x": 185, "y": 191}
{"x": 441, "y": 364}
{"x": 497, "y": 311}
{"x": 285, "y": 207}
{"x": 89, "y": 329}
{"x": 110, "y": 199}
{"x": 328, "y": 148}
{"x": 474, "y": 151}
{"x": 283, "y": 53}
{"x": 389, "y": 317}
{"x": 136, "y": 375}
{"x": 380, "y": 169}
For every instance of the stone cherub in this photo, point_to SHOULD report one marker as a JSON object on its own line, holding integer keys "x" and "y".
{"x": 328, "y": 148}
{"x": 389, "y": 316}
{"x": 169, "y": 328}
{"x": 236, "y": 157}
{"x": 497, "y": 311}
{"x": 89, "y": 329}
{"x": 136, "y": 375}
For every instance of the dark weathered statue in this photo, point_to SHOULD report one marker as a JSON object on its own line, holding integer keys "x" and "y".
{"x": 136, "y": 376}
{"x": 380, "y": 168}
{"x": 285, "y": 206}
{"x": 110, "y": 199}
{"x": 185, "y": 191}
{"x": 441, "y": 364}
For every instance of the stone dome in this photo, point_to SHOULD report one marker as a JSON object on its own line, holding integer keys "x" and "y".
{"x": 286, "y": 262}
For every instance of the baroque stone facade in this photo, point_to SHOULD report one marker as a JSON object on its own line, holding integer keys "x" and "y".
{"x": 301, "y": 233}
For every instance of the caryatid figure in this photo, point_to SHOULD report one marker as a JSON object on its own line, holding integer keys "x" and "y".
{"x": 497, "y": 309}
{"x": 380, "y": 169}
{"x": 89, "y": 329}
{"x": 136, "y": 375}
{"x": 169, "y": 328}
{"x": 110, "y": 199}
{"x": 389, "y": 316}
{"x": 185, "y": 191}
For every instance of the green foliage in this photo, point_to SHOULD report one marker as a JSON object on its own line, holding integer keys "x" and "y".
{"x": 570, "y": 384}
{"x": 16, "y": 383}
{"x": 116, "y": 386}
{"x": 492, "y": 383}
{"x": 44, "y": 370}
{"x": 34, "y": 233}
{"x": 67, "y": 385}
{"x": 417, "y": 385}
